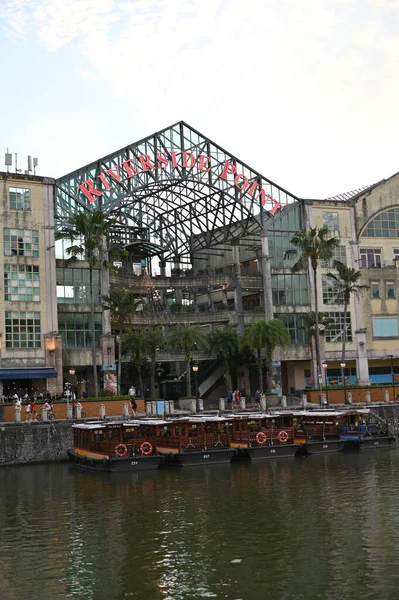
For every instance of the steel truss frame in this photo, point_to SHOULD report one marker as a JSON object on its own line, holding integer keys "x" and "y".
{"x": 181, "y": 209}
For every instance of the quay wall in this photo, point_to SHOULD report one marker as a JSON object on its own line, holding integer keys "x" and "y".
{"x": 24, "y": 443}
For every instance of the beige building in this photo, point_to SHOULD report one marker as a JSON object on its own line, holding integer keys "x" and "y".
{"x": 31, "y": 359}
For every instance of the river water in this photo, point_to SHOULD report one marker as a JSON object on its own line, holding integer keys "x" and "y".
{"x": 316, "y": 528}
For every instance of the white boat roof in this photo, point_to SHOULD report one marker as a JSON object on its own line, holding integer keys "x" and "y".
{"x": 103, "y": 424}
{"x": 201, "y": 418}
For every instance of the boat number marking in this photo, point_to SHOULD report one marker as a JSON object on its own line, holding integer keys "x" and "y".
{"x": 272, "y": 452}
{"x": 325, "y": 445}
{"x": 206, "y": 455}
{"x": 376, "y": 443}
{"x": 134, "y": 462}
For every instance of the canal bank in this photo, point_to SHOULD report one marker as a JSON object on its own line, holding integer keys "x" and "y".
{"x": 31, "y": 443}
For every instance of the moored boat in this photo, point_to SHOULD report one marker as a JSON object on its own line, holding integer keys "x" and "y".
{"x": 360, "y": 434}
{"x": 261, "y": 436}
{"x": 195, "y": 440}
{"x": 115, "y": 446}
{"x": 317, "y": 432}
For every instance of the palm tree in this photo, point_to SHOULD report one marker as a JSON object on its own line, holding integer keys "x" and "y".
{"x": 187, "y": 337}
{"x": 312, "y": 246}
{"x": 122, "y": 304}
{"x": 324, "y": 324}
{"x": 223, "y": 341}
{"x": 134, "y": 346}
{"x": 265, "y": 335}
{"x": 152, "y": 341}
{"x": 347, "y": 285}
{"x": 88, "y": 234}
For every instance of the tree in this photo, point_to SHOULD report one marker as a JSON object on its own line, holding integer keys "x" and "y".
{"x": 311, "y": 247}
{"x": 122, "y": 305}
{"x": 134, "y": 345}
{"x": 324, "y": 324}
{"x": 347, "y": 285}
{"x": 88, "y": 234}
{"x": 187, "y": 337}
{"x": 265, "y": 335}
{"x": 223, "y": 341}
{"x": 152, "y": 340}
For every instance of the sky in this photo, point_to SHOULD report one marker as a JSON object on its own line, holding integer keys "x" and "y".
{"x": 304, "y": 91}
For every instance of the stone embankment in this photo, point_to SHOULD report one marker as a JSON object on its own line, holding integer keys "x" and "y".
{"x": 24, "y": 443}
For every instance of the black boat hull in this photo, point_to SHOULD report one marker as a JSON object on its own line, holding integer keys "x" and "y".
{"x": 266, "y": 452}
{"x": 117, "y": 465}
{"x": 199, "y": 458}
{"x": 371, "y": 443}
{"x": 322, "y": 447}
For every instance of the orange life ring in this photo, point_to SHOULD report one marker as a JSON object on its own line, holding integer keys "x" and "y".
{"x": 282, "y": 437}
{"x": 146, "y": 448}
{"x": 261, "y": 438}
{"x": 120, "y": 450}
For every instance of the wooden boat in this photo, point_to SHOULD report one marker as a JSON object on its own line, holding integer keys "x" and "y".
{"x": 115, "y": 446}
{"x": 261, "y": 436}
{"x": 195, "y": 440}
{"x": 317, "y": 432}
{"x": 359, "y": 434}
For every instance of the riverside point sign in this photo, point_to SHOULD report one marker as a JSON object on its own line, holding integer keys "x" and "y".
{"x": 183, "y": 160}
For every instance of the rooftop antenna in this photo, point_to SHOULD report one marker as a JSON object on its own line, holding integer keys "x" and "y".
{"x": 8, "y": 160}
{"x": 29, "y": 164}
{"x": 16, "y": 164}
{"x": 35, "y": 163}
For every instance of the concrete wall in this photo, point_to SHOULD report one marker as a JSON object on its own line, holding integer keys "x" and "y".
{"x": 34, "y": 443}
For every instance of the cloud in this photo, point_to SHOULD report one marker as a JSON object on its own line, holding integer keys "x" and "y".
{"x": 273, "y": 81}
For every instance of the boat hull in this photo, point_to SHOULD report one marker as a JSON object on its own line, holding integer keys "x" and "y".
{"x": 371, "y": 443}
{"x": 266, "y": 452}
{"x": 199, "y": 458}
{"x": 321, "y": 447}
{"x": 117, "y": 465}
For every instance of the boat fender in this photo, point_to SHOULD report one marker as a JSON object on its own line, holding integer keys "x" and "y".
{"x": 120, "y": 450}
{"x": 146, "y": 448}
{"x": 261, "y": 438}
{"x": 282, "y": 437}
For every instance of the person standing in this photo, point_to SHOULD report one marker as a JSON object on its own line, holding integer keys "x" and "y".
{"x": 229, "y": 399}
{"x": 132, "y": 392}
{"x": 28, "y": 411}
{"x": 133, "y": 406}
{"x": 33, "y": 410}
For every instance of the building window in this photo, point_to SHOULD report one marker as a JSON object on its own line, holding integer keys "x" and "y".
{"x": 331, "y": 292}
{"x": 339, "y": 254}
{"x": 385, "y": 327}
{"x": 19, "y": 198}
{"x": 296, "y": 326}
{"x": 375, "y": 289}
{"x": 370, "y": 257}
{"x": 74, "y": 329}
{"x": 279, "y": 242}
{"x": 23, "y": 329}
{"x": 21, "y": 242}
{"x": 21, "y": 283}
{"x": 73, "y": 286}
{"x": 334, "y": 332}
{"x": 290, "y": 290}
{"x": 390, "y": 289}
{"x": 330, "y": 221}
{"x": 384, "y": 225}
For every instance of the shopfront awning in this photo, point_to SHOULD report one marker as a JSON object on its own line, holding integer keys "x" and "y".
{"x": 40, "y": 373}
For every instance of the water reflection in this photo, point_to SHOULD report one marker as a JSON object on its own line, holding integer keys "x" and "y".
{"x": 312, "y": 528}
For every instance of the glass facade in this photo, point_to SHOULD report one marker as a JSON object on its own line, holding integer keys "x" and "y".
{"x": 330, "y": 221}
{"x": 384, "y": 225}
{"x": 74, "y": 329}
{"x": 296, "y": 325}
{"x": 334, "y": 332}
{"x": 21, "y": 283}
{"x": 23, "y": 329}
{"x": 290, "y": 290}
{"x": 339, "y": 254}
{"x": 73, "y": 286}
{"x": 21, "y": 242}
{"x": 330, "y": 291}
{"x": 19, "y": 198}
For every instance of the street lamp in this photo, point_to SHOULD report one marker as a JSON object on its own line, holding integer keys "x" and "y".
{"x": 393, "y": 376}
{"x": 325, "y": 366}
{"x": 195, "y": 369}
{"x": 343, "y": 365}
{"x": 72, "y": 373}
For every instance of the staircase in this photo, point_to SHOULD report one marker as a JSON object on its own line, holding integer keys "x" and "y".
{"x": 210, "y": 381}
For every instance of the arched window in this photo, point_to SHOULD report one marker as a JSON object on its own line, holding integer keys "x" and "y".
{"x": 384, "y": 225}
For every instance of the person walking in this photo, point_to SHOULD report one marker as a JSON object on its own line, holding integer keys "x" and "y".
{"x": 33, "y": 410}
{"x": 132, "y": 391}
{"x": 229, "y": 399}
{"x": 257, "y": 400}
{"x": 28, "y": 411}
{"x": 133, "y": 406}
